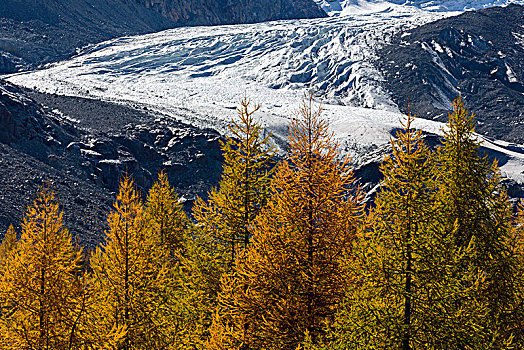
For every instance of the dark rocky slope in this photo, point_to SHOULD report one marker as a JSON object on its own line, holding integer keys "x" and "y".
{"x": 35, "y": 32}
{"x": 479, "y": 55}
{"x": 83, "y": 146}
{"x": 205, "y": 12}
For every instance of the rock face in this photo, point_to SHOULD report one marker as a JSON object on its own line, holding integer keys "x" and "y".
{"x": 82, "y": 147}
{"x": 35, "y": 32}
{"x": 479, "y": 55}
{"x": 184, "y": 12}
{"x": 19, "y": 119}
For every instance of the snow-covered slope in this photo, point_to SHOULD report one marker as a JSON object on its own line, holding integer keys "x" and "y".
{"x": 208, "y": 70}
{"x": 343, "y": 7}
{"x": 200, "y": 74}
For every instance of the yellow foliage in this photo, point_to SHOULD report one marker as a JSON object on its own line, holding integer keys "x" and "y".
{"x": 8, "y": 244}
{"x": 165, "y": 215}
{"x": 472, "y": 206}
{"x": 130, "y": 277}
{"x": 421, "y": 276}
{"x": 380, "y": 310}
{"x": 222, "y": 224}
{"x": 242, "y": 191}
{"x": 283, "y": 260}
{"x": 39, "y": 291}
{"x": 290, "y": 280}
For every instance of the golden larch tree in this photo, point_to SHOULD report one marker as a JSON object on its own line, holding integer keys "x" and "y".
{"x": 403, "y": 274}
{"x": 243, "y": 189}
{"x": 129, "y": 276}
{"x": 222, "y": 222}
{"x": 289, "y": 282}
{"x": 170, "y": 225}
{"x": 517, "y": 319}
{"x": 8, "y": 243}
{"x": 418, "y": 284}
{"x": 165, "y": 215}
{"x": 39, "y": 290}
{"x": 472, "y": 205}
{"x": 381, "y": 309}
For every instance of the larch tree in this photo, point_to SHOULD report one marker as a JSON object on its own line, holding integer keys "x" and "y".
{"x": 165, "y": 216}
{"x": 517, "y": 319}
{"x": 404, "y": 271}
{"x": 39, "y": 283}
{"x": 473, "y": 207}
{"x": 170, "y": 225}
{"x": 8, "y": 244}
{"x": 222, "y": 222}
{"x": 469, "y": 184}
{"x": 130, "y": 277}
{"x": 201, "y": 270}
{"x": 289, "y": 281}
{"x": 437, "y": 249}
{"x": 383, "y": 307}
{"x": 243, "y": 189}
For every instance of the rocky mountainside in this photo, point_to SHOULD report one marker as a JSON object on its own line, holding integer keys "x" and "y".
{"x": 206, "y": 12}
{"x": 479, "y": 55}
{"x": 35, "y": 32}
{"x": 83, "y": 146}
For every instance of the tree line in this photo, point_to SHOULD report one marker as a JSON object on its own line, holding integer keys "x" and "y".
{"x": 283, "y": 254}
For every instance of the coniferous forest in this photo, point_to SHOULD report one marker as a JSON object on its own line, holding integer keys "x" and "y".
{"x": 284, "y": 254}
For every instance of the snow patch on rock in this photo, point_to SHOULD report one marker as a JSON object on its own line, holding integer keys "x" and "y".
{"x": 345, "y": 7}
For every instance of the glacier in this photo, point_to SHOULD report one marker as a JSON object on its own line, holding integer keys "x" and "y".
{"x": 199, "y": 74}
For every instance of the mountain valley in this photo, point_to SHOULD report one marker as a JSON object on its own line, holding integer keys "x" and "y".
{"x": 163, "y": 100}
